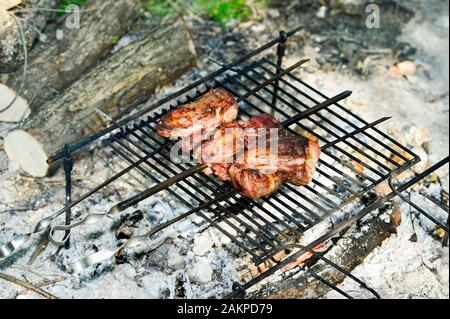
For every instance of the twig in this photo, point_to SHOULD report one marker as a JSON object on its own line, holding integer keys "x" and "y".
{"x": 27, "y": 286}
{"x": 33, "y": 272}
{"x": 51, "y": 282}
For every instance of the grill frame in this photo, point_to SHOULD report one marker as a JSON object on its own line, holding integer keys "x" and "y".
{"x": 279, "y": 92}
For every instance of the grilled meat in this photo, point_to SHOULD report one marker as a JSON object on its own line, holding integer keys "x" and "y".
{"x": 293, "y": 155}
{"x": 227, "y": 144}
{"x": 261, "y": 176}
{"x": 256, "y": 155}
{"x": 262, "y": 169}
{"x": 252, "y": 183}
{"x": 200, "y": 118}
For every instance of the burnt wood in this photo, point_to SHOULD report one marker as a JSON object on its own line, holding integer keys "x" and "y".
{"x": 348, "y": 252}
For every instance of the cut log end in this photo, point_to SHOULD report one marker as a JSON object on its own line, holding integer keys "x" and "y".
{"x": 25, "y": 150}
{"x": 18, "y": 111}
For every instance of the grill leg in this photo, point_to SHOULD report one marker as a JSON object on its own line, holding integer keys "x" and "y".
{"x": 281, "y": 50}
{"x": 68, "y": 166}
{"x": 445, "y": 239}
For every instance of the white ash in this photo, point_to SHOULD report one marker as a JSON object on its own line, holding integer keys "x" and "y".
{"x": 403, "y": 267}
{"x": 398, "y": 260}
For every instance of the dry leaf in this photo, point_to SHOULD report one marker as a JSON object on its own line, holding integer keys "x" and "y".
{"x": 382, "y": 189}
{"x": 9, "y": 4}
{"x": 405, "y": 68}
{"x": 245, "y": 25}
{"x": 358, "y": 166}
{"x": 440, "y": 232}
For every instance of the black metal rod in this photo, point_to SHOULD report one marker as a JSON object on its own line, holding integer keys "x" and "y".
{"x": 166, "y": 168}
{"x": 68, "y": 167}
{"x": 156, "y": 189}
{"x": 302, "y": 250}
{"x": 253, "y": 68}
{"x": 393, "y": 141}
{"x": 436, "y": 202}
{"x": 183, "y": 200}
{"x": 317, "y": 108}
{"x": 193, "y": 170}
{"x": 227, "y": 87}
{"x": 132, "y": 201}
{"x": 272, "y": 79}
{"x": 328, "y": 283}
{"x": 379, "y": 203}
{"x": 204, "y": 205}
{"x": 325, "y": 119}
{"x": 343, "y": 225}
{"x": 374, "y": 170}
{"x": 416, "y": 207}
{"x": 162, "y": 169}
{"x": 338, "y": 116}
{"x": 214, "y": 183}
{"x": 423, "y": 212}
{"x": 281, "y": 50}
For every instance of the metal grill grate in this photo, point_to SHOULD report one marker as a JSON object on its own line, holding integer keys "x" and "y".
{"x": 356, "y": 157}
{"x": 351, "y": 147}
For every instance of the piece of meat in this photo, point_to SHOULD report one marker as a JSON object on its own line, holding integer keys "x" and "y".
{"x": 262, "y": 172}
{"x": 252, "y": 183}
{"x": 304, "y": 177}
{"x": 296, "y": 156}
{"x": 200, "y": 118}
{"x": 257, "y": 155}
{"x": 227, "y": 144}
{"x": 284, "y": 158}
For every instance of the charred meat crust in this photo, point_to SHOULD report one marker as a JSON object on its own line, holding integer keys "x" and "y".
{"x": 208, "y": 112}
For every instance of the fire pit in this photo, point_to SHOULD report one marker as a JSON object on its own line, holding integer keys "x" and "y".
{"x": 272, "y": 234}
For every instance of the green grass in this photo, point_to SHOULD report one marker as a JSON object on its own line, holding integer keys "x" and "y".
{"x": 161, "y": 8}
{"x": 224, "y": 11}
{"x": 221, "y": 11}
{"x": 62, "y": 5}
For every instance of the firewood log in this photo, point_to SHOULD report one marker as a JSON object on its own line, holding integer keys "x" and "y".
{"x": 31, "y": 20}
{"x": 349, "y": 251}
{"x": 55, "y": 64}
{"x": 115, "y": 86}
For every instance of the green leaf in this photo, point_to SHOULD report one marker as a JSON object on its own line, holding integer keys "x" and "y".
{"x": 63, "y": 4}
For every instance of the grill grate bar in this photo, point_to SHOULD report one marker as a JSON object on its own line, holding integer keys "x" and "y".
{"x": 325, "y": 119}
{"x": 146, "y": 134}
{"x": 384, "y": 135}
{"x": 173, "y": 193}
{"x": 436, "y": 202}
{"x": 210, "y": 187}
{"x": 345, "y": 120}
{"x": 376, "y": 171}
{"x": 225, "y": 86}
{"x": 217, "y": 183}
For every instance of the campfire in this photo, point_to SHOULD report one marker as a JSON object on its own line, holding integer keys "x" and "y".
{"x": 219, "y": 238}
